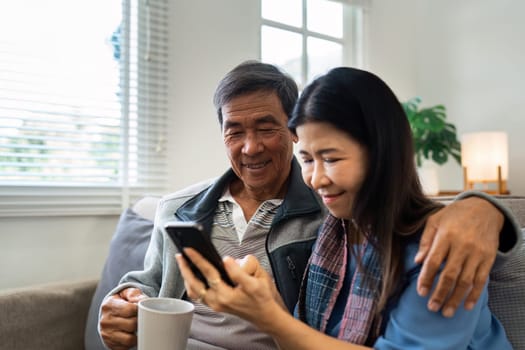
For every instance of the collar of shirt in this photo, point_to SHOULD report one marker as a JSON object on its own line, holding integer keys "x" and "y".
{"x": 239, "y": 221}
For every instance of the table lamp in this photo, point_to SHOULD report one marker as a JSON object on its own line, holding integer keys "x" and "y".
{"x": 485, "y": 161}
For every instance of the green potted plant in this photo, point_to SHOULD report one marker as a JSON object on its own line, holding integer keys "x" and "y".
{"x": 434, "y": 138}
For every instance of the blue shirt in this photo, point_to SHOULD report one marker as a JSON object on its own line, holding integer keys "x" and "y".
{"x": 410, "y": 325}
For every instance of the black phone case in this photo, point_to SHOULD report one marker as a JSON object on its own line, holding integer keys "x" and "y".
{"x": 188, "y": 234}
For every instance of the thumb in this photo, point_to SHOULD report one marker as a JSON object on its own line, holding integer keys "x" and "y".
{"x": 250, "y": 265}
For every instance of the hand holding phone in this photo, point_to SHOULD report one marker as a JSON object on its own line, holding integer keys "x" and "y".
{"x": 189, "y": 234}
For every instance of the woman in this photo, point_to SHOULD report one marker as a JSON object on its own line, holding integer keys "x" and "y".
{"x": 359, "y": 289}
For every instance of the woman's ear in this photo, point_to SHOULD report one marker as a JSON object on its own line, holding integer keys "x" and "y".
{"x": 295, "y": 138}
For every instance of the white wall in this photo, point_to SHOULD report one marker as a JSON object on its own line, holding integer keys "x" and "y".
{"x": 208, "y": 39}
{"x": 390, "y": 44}
{"x": 37, "y": 250}
{"x": 471, "y": 57}
{"x": 467, "y": 55}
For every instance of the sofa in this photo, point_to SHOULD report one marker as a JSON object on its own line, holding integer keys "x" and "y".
{"x": 62, "y": 315}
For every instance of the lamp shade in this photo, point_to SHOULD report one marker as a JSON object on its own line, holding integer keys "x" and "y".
{"x": 482, "y": 153}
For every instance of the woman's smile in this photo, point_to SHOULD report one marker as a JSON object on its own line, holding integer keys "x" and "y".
{"x": 330, "y": 198}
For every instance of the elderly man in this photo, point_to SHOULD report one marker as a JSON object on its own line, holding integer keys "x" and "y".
{"x": 262, "y": 207}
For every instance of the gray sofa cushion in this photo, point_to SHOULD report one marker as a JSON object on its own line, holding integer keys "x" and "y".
{"x": 517, "y": 205}
{"x": 507, "y": 297}
{"x": 126, "y": 253}
{"x": 49, "y": 316}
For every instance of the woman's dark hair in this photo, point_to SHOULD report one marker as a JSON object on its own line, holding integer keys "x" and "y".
{"x": 252, "y": 76}
{"x": 390, "y": 203}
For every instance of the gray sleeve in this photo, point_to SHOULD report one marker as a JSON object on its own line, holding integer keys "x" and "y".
{"x": 149, "y": 279}
{"x": 510, "y": 235}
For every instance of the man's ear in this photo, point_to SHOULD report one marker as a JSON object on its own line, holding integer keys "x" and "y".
{"x": 295, "y": 138}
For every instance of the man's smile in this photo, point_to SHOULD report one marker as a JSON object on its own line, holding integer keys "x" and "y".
{"x": 259, "y": 165}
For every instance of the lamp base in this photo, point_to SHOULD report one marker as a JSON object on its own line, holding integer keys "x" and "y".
{"x": 500, "y": 184}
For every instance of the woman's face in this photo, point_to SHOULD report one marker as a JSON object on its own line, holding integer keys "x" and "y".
{"x": 333, "y": 164}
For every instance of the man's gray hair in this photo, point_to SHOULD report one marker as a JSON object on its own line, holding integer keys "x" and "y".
{"x": 252, "y": 76}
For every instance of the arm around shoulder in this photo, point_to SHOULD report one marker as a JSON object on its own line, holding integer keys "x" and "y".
{"x": 510, "y": 239}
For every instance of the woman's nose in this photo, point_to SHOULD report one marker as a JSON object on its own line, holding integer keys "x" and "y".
{"x": 318, "y": 177}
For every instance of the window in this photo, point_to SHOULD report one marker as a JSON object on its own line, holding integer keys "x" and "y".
{"x": 308, "y": 37}
{"x": 83, "y": 105}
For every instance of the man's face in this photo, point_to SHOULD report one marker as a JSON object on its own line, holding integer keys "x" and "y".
{"x": 258, "y": 142}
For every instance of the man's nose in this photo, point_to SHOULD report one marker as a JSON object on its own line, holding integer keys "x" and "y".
{"x": 252, "y": 144}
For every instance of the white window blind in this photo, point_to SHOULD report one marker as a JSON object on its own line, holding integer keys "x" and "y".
{"x": 83, "y": 105}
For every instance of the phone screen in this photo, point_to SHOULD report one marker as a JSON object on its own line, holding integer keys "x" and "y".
{"x": 188, "y": 234}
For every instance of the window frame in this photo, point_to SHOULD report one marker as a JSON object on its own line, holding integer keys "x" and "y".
{"x": 352, "y": 41}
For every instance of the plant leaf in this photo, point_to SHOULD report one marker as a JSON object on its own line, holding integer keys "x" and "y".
{"x": 433, "y": 137}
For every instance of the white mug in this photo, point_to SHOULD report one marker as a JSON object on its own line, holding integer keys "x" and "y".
{"x": 164, "y": 323}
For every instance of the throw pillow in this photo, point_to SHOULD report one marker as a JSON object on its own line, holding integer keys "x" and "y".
{"x": 126, "y": 253}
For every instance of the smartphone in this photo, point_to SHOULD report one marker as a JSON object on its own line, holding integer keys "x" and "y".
{"x": 189, "y": 234}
